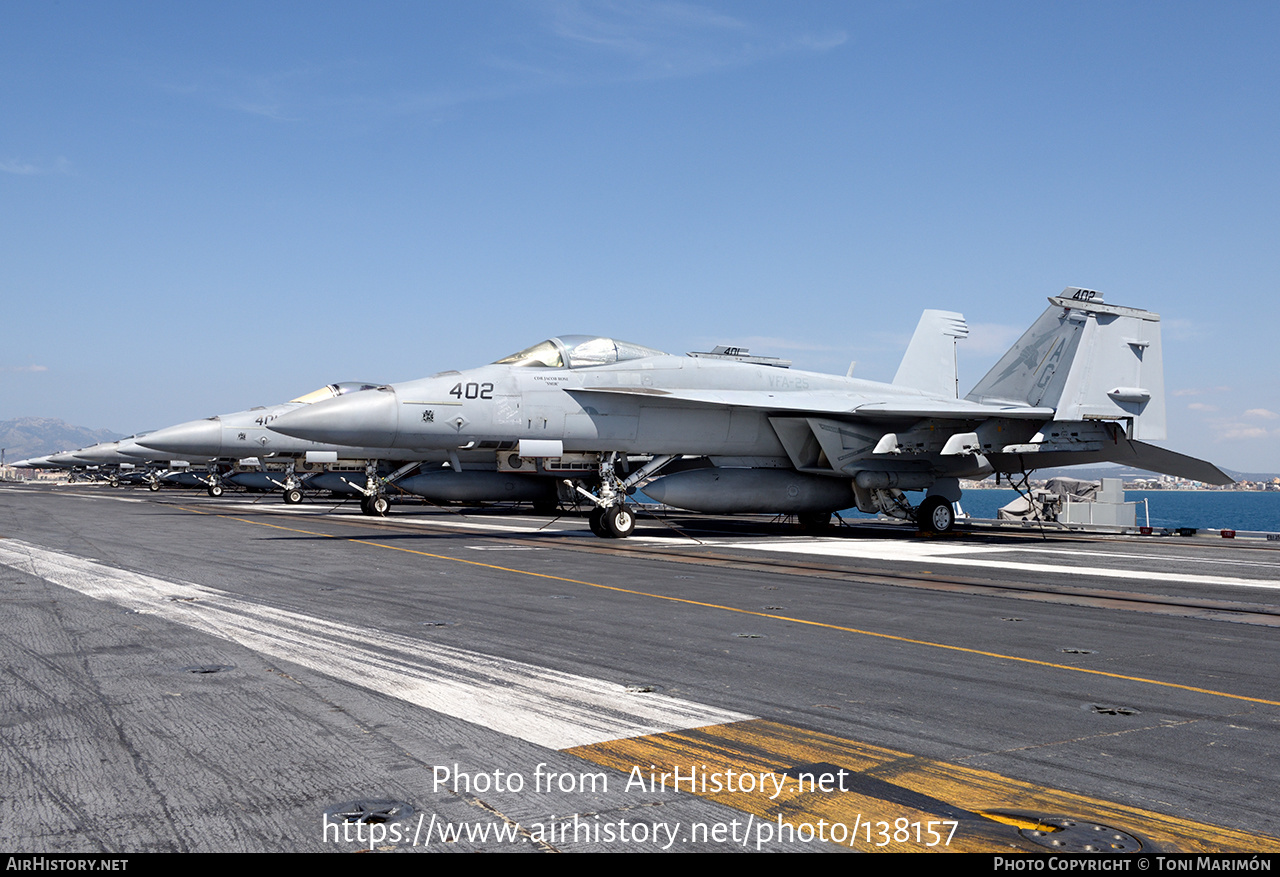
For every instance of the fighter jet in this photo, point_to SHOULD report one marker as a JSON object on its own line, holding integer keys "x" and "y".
{"x": 1084, "y": 384}
{"x": 223, "y": 441}
{"x": 45, "y": 462}
{"x": 126, "y": 460}
{"x": 241, "y": 448}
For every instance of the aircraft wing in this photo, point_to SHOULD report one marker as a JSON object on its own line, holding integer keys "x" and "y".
{"x": 832, "y": 403}
{"x": 838, "y": 406}
{"x": 957, "y": 409}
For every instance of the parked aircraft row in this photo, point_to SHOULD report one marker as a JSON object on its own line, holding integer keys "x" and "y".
{"x": 594, "y": 419}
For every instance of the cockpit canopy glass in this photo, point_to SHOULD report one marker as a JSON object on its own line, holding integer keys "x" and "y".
{"x": 330, "y": 391}
{"x": 545, "y": 354}
{"x": 578, "y": 351}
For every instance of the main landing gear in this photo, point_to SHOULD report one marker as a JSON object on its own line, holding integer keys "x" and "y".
{"x": 935, "y": 515}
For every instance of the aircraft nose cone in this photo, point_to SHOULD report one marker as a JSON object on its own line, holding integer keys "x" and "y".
{"x": 368, "y": 419}
{"x": 196, "y": 438}
{"x": 97, "y": 455}
{"x": 133, "y": 452}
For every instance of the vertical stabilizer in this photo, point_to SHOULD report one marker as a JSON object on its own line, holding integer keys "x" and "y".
{"x": 1088, "y": 361}
{"x": 930, "y": 361}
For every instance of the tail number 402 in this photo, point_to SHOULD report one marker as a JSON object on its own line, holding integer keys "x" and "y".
{"x": 472, "y": 391}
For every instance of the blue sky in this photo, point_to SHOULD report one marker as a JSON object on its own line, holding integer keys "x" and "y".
{"x": 205, "y": 207}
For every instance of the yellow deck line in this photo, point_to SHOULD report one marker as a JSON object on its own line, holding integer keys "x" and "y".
{"x": 887, "y": 786}
{"x": 787, "y": 618}
{"x": 890, "y": 792}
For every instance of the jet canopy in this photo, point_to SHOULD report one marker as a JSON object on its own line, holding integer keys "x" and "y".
{"x": 332, "y": 391}
{"x": 578, "y": 351}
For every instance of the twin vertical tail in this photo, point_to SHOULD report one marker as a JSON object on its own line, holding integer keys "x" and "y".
{"x": 930, "y": 361}
{"x": 1087, "y": 361}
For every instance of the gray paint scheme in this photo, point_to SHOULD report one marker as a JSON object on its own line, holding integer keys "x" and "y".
{"x": 1079, "y": 387}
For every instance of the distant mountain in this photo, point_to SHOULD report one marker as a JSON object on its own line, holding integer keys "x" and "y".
{"x": 1250, "y": 476}
{"x": 38, "y": 436}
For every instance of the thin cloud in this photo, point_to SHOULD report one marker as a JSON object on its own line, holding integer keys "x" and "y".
{"x": 990, "y": 338}
{"x": 569, "y": 44}
{"x": 670, "y": 40}
{"x": 1244, "y": 431}
{"x": 1227, "y": 429}
{"x": 1182, "y": 329}
{"x": 643, "y": 31}
{"x": 275, "y": 96}
{"x": 26, "y": 168}
{"x": 24, "y": 368}
{"x": 598, "y": 41}
{"x": 1199, "y": 391}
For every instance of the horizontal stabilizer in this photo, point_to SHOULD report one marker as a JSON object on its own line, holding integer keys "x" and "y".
{"x": 1166, "y": 462}
{"x": 1128, "y": 452}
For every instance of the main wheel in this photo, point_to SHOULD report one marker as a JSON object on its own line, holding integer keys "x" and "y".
{"x": 293, "y": 496}
{"x": 935, "y": 515}
{"x": 596, "y": 521}
{"x": 619, "y": 521}
{"x": 215, "y": 490}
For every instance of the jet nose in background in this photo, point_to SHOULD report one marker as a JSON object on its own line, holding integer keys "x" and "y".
{"x": 100, "y": 454}
{"x": 196, "y": 438}
{"x": 368, "y": 419}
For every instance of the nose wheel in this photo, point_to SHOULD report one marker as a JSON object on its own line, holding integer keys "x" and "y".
{"x": 614, "y": 522}
{"x": 378, "y": 506}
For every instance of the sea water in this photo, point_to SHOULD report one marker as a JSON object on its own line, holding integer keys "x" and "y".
{"x": 1202, "y": 509}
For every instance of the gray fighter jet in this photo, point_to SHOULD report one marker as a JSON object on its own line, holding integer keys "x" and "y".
{"x": 106, "y": 461}
{"x": 1084, "y": 384}
{"x": 241, "y": 448}
{"x": 127, "y": 461}
{"x": 277, "y": 460}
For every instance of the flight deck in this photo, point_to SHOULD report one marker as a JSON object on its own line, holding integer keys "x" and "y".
{"x": 192, "y": 674}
